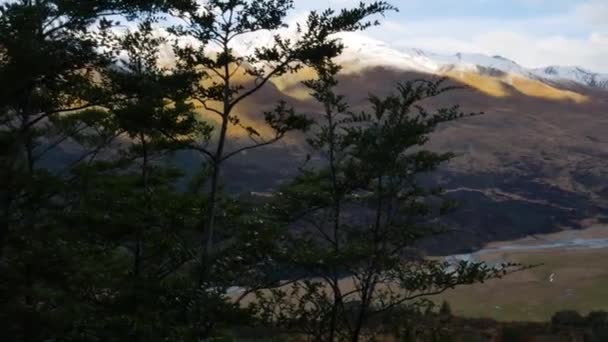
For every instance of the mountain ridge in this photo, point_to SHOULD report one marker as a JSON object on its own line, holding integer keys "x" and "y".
{"x": 365, "y": 52}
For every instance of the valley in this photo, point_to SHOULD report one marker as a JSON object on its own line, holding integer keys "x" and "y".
{"x": 572, "y": 274}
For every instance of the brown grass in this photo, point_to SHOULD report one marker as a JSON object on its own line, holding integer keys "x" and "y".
{"x": 580, "y": 283}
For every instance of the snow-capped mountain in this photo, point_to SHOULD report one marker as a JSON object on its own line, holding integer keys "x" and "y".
{"x": 364, "y": 52}
{"x": 573, "y": 74}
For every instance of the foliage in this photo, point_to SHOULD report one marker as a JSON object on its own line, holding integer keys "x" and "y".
{"x": 215, "y": 27}
{"x": 567, "y": 318}
{"x": 100, "y": 245}
{"x": 48, "y": 54}
{"x": 355, "y": 221}
{"x": 597, "y": 319}
{"x": 103, "y": 239}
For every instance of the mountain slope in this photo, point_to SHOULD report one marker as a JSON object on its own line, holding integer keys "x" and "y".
{"x": 365, "y": 52}
{"x": 572, "y": 74}
{"x": 534, "y": 163}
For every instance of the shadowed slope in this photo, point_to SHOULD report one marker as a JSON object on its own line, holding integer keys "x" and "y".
{"x": 531, "y": 164}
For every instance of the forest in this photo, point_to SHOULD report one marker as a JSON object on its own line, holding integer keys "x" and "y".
{"x": 106, "y": 236}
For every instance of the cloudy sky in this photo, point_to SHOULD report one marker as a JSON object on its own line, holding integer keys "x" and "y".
{"x": 534, "y": 33}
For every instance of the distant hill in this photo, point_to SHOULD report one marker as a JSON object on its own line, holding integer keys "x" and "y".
{"x": 535, "y": 162}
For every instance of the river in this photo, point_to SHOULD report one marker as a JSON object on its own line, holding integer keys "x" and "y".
{"x": 568, "y": 240}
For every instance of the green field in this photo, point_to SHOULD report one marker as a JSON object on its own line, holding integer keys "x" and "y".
{"x": 580, "y": 283}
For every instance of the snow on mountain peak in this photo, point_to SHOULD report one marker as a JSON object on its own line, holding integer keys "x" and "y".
{"x": 364, "y": 52}
{"x": 573, "y": 74}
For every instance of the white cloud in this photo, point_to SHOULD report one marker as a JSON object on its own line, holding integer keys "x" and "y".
{"x": 566, "y": 39}
{"x": 595, "y": 12}
{"x": 599, "y": 38}
{"x": 578, "y": 37}
{"x": 527, "y": 50}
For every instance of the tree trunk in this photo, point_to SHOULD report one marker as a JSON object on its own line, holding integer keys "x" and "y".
{"x": 4, "y": 221}
{"x": 7, "y": 193}
{"x": 337, "y": 207}
{"x": 209, "y": 230}
{"x": 209, "y": 226}
{"x": 138, "y": 235}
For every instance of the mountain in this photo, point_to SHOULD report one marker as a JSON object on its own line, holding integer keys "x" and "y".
{"x": 535, "y": 162}
{"x": 367, "y": 52}
{"x": 572, "y": 74}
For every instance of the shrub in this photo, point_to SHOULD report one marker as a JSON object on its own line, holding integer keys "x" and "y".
{"x": 597, "y": 319}
{"x": 567, "y": 318}
{"x": 445, "y": 310}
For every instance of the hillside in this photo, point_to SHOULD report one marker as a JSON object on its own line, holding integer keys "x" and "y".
{"x": 535, "y": 162}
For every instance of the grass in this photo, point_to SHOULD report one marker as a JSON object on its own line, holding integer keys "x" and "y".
{"x": 580, "y": 283}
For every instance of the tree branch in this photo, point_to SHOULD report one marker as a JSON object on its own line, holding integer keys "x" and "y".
{"x": 259, "y": 85}
{"x": 45, "y": 115}
{"x": 250, "y": 147}
{"x": 188, "y": 145}
{"x": 204, "y": 104}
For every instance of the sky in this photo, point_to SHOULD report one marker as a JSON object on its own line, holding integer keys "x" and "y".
{"x": 534, "y": 33}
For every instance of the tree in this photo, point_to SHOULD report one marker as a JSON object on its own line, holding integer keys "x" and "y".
{"x": 110, "y": 243}
{"x": 52, "y": 53}
{"x": 152, "y": 106}
{"x": 597, "y": 319}
{"x": 567, "y": 318}
{"x": 48, "y": 54}
{"x": 216, "y": 25}
{"x": 47, "y": 57}
{"x": 149, "y": 220}
{"x": 70, "y": 90}
{"x": 355, "y": 221}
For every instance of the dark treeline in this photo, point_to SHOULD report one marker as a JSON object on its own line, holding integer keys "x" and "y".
{"x": 416, "y": 325}
{"x": 103, "y": 245}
